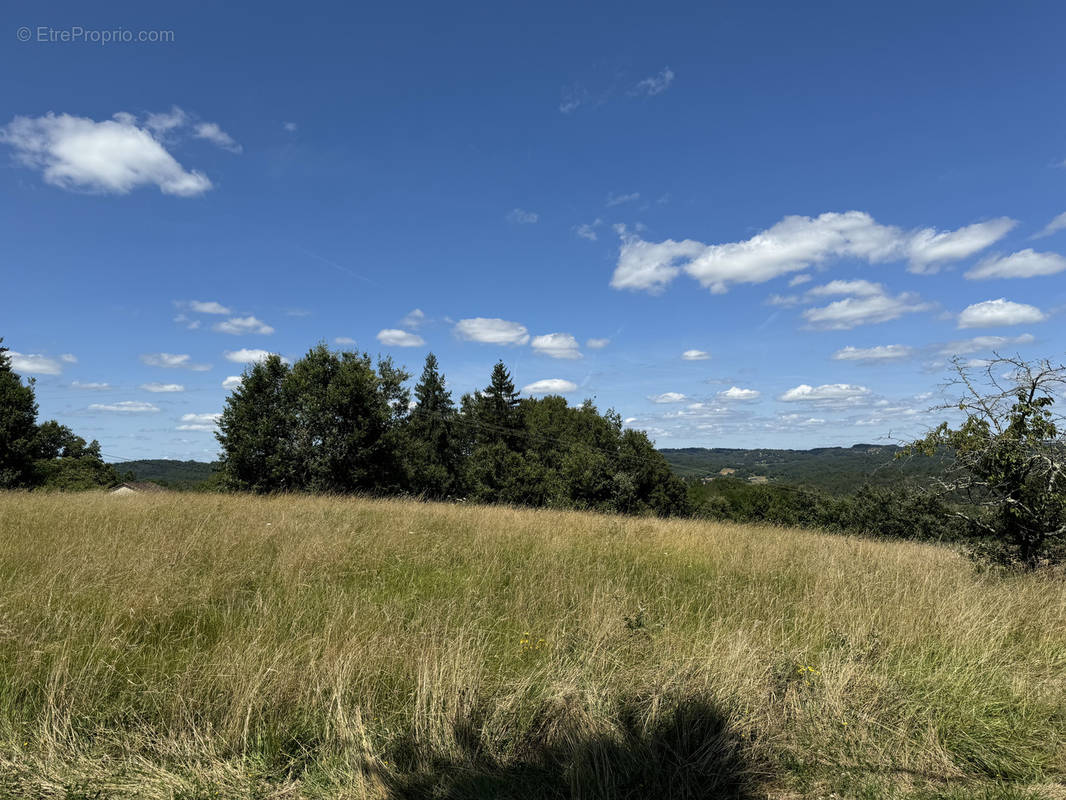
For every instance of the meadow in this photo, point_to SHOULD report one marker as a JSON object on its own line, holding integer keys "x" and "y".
{"x": 214, "y": 646}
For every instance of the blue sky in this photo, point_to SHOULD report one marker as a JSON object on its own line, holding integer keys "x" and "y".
{"x": 740, "y": 225}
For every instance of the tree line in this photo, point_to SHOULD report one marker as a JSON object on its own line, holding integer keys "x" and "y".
{"x": 48, "y": 454}
{"x": 336, "y": 422}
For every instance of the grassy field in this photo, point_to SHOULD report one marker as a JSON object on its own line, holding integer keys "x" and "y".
{"x": 178, "y": 646}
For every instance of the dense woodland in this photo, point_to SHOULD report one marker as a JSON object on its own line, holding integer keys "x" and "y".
{"x": 335, "y": 422}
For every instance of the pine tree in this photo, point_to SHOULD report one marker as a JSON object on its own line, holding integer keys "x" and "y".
{"x": 18, "y": 426}
{"x": 434, "y": 447}
{"x": 497, "y": 409}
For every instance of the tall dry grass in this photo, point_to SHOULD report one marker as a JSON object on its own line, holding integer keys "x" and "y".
{"x": 201, "y": 646}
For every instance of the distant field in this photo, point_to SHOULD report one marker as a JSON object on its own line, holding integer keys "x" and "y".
{"x": 205, "y": 646}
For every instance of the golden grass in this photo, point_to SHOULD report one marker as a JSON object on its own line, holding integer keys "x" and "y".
{"x": 200, "y": 646}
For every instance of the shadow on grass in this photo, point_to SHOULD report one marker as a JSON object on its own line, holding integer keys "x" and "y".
{"x": 689, "y": 754}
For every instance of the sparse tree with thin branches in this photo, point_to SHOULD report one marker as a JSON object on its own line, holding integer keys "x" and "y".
{"x": 1007, "y": 460}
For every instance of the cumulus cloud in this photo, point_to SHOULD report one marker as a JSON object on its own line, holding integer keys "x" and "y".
{"x": 864, "y": 309}
{"x": 239, "y": 326}
{"x": 550, "y": 386}
{"x": 173, "y": 361}
{"x": 795, "y": 244}
{"x": 980, "y": 344}
{"x": 799, "y": 280}
{"x": 413, "y": 319}
{"x": 34, "y": 363}
{"x": 199, "y": 422}
{"x": 656, "y": 84}
{"x": 669, "y": 397}
{"x": 214, "y": 134}
{"x": 597, "y": 344}
{"x": 736, "y": 393}
{"x": 92, "y": 386}
{"x": 125, "y": 407}
{"x": 394, "y": 337}
{"x": 556, "y": 345}
{"x": 111, "y": 156}
{"x": 996, "y": 313}
{"x": 208, "y": 307}
{"x": 1024, "y": 264}
{"x": 249, "y": 356}
{"x": 882, "y": 352}
{"x": 344, "y": 340}
{"x": 162, "y": 387}
{"x": 68, "y": 358}
{"x": 695, "y": 355}
{"x": 826, "y": 394}
{"x": 522, "y": 217}
{"x": 858, "y": 288}
{"x": 490, "y": 330}
{"x": 232, "y": 382}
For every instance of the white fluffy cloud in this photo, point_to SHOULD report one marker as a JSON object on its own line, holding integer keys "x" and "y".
{"x": 669, "y": 397}
{"x": 1024, "y": 264}
{"x": 597, "y": 344}
{"x": 199, "y": 422}
{"x": 736, "y": 393}
{"x": 162, "y": 387}
{"x": 557, "y": 345}
{"x": 111, "y": 156}
{"x": 588, "y": 230}
{"x": 882, "y": 352}
{"x": 997, "y": 313}
{"x": 870, "y": 305}
{"x": 550, "y": 386}
{"x": 208, "y": 307}
{"x": 232, "y": 382}
{"x": 490, "y": 330}
{"x": 239, "y": 326}
{"x": 794, "y": 244}
{"x": 68, "y": 358}
{"x": 827, "y": 394}
{"x": 214, "y": 134}
{"x": 92, "y": 386}
{"x": 125, "y": 407}
{"x": 857, "y": 288}
{"x": 248, "y": 355}
{"x": 173, "y": 361}
{"x": 695, "y": 355}
{"x": 413, "y": 319}
{"x": 34, "y": 364}
{"x": 393, "y": 337}
{"x": 344, "y": 340}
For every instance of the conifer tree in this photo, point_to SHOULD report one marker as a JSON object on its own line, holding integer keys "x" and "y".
{"x": 18, "y": 426}
{"x": 434, "y": 446}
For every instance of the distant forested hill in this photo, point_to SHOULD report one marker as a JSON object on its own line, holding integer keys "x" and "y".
{"x": 176, "y": 474}
{"x": 837, "y": 470}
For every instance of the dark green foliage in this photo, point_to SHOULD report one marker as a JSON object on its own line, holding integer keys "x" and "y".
{"x": 48, "y": 455}
{"x": 433, "y": 437}
{"x": 327, "y": 424}
{"x": 832, "y": 470}
{"x": 898, "y": 513}
{"x": 173, "y": 474}
{"x": 18, "y": 426}
{"x": 334, "y": 423}
{"x": 1008, "y": 459}
{"x": 255, "y": 431}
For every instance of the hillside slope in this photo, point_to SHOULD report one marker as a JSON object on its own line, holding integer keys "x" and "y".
{"x": 204, "y": 646}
